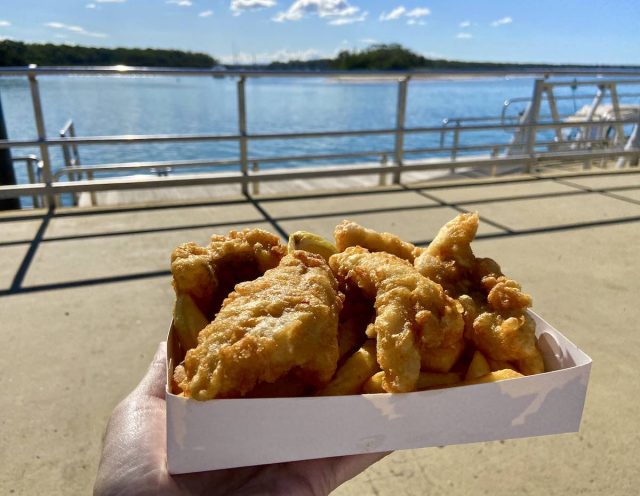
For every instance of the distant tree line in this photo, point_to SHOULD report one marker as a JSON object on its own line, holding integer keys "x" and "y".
{"x": 382, "y": 57}
{"x": 17, "y": 53}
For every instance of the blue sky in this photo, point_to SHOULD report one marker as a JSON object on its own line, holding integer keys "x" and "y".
{"x": 569, "y": 31}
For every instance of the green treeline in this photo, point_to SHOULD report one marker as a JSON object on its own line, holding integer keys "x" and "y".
{"x": 379, "y": 57}
{"x": 17, "y": 53}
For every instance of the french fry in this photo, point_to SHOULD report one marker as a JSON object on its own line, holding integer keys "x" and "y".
{"x": 350, "y": 334}
{"x": 532, "y": 365}
{"x": 498, "y": 375}
{"x": 441, "y": 359}
{"x": 188, "y": 320}
{"x": 428, "y": 380}
{"x": 303, "y": 240}
{"x": 478, "y": 367}
{"x": 374, "y": 384}
{"x": 354, "y": 373}
{"x": 496, "y": 365}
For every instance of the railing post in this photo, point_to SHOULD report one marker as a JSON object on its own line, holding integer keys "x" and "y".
{"x": 382, "y": 181}
{"x": 242, "y": 128}
{"x": 255, "y": 186}
{"x": 615, "y": 103}
{"x": 7, "y": 172}
{"x": 454, "y": 146}
{"x": 400, "y": 118}
{"x": 532, "y": 121}
{"x": 42, "y": 136}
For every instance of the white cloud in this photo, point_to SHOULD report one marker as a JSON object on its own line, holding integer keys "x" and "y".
{"x": 341, "y": 21}
{"x": 419, "y": 12}
{"x": 239, "y": 6}
{"x": 3, "y": 38}
{"x": 4, "y": 24}
{"x": 267, "y": 57}
{"x": 206, "y": 13}
{"x": 502, "y": 22}
{"x": 180, "y": 3}
{"x": 412, "y": 14}
{"x": 396, "y": 13}
{"x": 110, "y": 1}
{"x": 465, "y": 24}
{"x": 415, "y": 22}
{"x": 74, "y": 29}
{"x": 91, "y": 6}
{"x": 339, "y": 9}
{"x": 464, "y": 36}
{"x": 368, "y": 41}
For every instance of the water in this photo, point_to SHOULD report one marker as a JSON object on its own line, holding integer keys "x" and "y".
{"x": 114, "y": 105}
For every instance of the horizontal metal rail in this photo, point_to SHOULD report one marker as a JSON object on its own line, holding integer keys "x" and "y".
{"x": 142, "y": 166}
{"x": 238, "y": 178}
{"x": 145, "y": 138}
{"x": 217, "y": 72}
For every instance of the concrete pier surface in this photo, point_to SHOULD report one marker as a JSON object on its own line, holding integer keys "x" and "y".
{"x": 85, "y": 297}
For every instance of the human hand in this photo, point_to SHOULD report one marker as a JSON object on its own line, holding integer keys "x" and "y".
{"x": 134, "y": 456}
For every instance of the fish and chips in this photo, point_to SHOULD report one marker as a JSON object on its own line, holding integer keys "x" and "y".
{"x": 369, "y": 314}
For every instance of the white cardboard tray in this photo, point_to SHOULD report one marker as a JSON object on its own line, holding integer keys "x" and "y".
{"x": 216, "y": 434}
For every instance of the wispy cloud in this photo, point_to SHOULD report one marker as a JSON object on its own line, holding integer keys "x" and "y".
{"x": 419, "y": 12}
{"x": 180, "y": 3}
{"x": 240, "y": 6}
{"x": 206, "y": 13}
{"x": 7, "y": 38}
{"x": 74, "y": 29}
{"x": 4, "y": 24}
{"x": 465, "y": 24}
{"x": 368, "y": 41}
{"x": 415, "y": 22}
{"x": 396, "y": 13}
{"x": 401, "y": 11}
{"x": 340, "y": 11}
{"x": 501, "y": 22}
{"x": 110, "y": 1}
{"x": 464, "y": 36}
{"x": 267, "y": 57}
{"x": 341, "y": 21}
{"x": 90, "y": 6}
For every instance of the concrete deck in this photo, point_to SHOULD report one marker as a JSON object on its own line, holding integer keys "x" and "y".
{"x": 85, "y": 296}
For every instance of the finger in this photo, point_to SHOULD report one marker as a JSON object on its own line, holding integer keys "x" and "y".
{"x": 345, "y": 468}
{"x": 155, "y": 380}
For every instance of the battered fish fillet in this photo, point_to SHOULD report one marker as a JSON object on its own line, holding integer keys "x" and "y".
{"x": 348, "y": 233}
{"x": 208, "y": 274}
{"x": 412, "y": 312}
{"x": 494, "y": 306}
{"x": 286, "y": 320}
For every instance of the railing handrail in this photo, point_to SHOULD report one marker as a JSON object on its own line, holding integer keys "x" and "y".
{"x": 148, "y": 138}
{"x": 349, "y": 74}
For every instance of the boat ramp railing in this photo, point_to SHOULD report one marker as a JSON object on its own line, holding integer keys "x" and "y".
{"x": 525, "y": 149}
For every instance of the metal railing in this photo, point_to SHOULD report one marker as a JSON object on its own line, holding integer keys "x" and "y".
{"x": 525, "y": 151}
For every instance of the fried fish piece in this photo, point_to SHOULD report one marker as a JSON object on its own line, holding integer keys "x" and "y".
{"x": 349, "y": 233}
{"x": 494, "y": 306}
{"x": 411, "y": 311}
{"x": 208, "y": 274}
{"x": 284, "y": 321}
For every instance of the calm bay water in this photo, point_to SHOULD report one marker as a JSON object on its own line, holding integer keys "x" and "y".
{"x": 150, "y": 105}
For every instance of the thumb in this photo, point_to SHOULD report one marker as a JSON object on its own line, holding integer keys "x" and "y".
{"x": 155, "y": 380}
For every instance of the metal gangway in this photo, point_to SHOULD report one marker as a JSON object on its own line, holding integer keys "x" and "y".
{"x": 592, "y": 137}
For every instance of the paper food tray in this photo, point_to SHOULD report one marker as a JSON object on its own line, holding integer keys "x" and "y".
{"x": 217, "y": 434}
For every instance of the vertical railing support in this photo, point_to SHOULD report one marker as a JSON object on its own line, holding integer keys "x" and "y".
{"x": 255, "y": 186}
{"x": 242, "y": 129}
{"x": 553, "y": 108}
{"x": 533, "y": 113}
{"x": 400, "y": 118}
{"x": 382, "y": 180}
{"x": 615, "y": 104}
{"x": 42, "y": 136}
{"x": 454, "y": 146}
